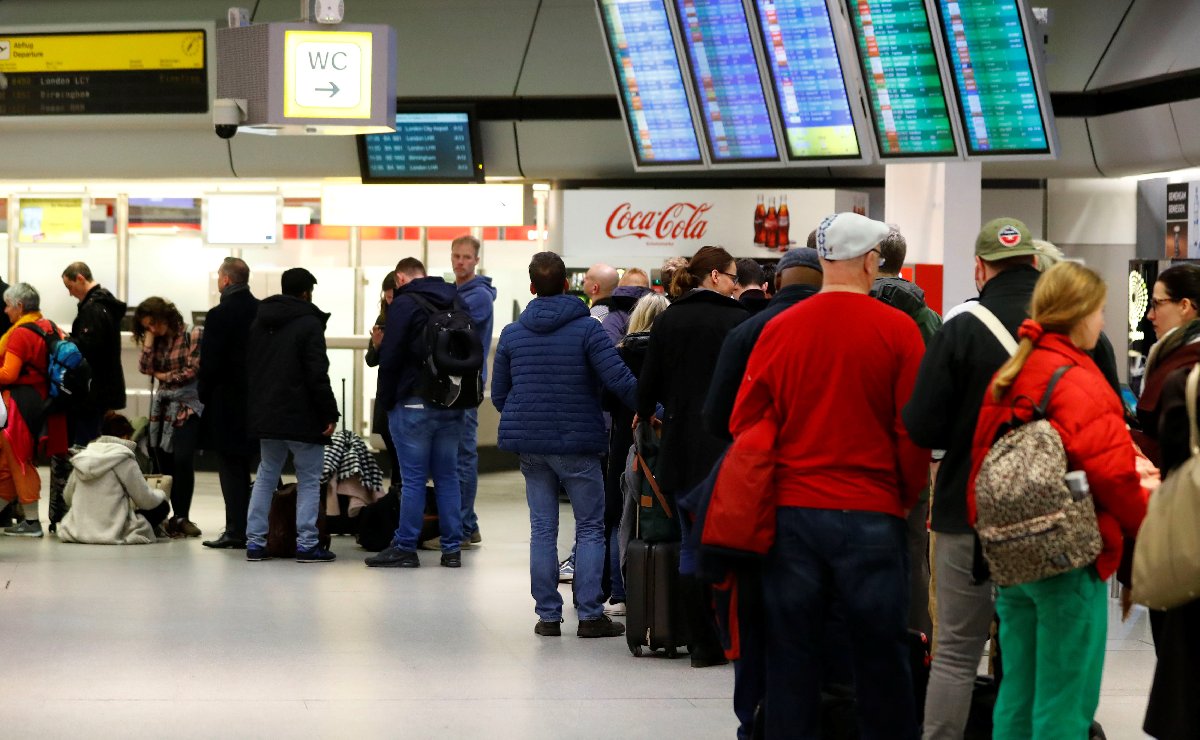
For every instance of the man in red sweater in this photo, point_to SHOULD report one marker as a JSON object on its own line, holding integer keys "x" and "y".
{"x": 836, "y": 370}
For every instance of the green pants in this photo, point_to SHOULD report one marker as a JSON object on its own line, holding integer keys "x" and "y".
{"x": 1052, "y": 634}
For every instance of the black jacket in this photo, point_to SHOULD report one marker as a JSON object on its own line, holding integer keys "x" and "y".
{"x": 290, "y": 395}
{"x": 97, "y": 332}
{"x": 223, "y": 374}
{"x": 957, "y": 369}
{"x": 404, "y": 348}
{"x": 5, "y": 323}
{"x": 680, "y": 360}
{"x": 735, "y": 353}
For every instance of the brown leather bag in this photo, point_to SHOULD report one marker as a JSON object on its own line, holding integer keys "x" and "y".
{"x": 281, "y": 524}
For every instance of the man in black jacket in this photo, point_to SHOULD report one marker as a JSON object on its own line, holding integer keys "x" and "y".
{"x": 97, "y": 332}
{"x": 223, "y": 391}
{"x": 292, "y": 409}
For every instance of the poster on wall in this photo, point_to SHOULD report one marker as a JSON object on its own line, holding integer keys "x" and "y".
{"x": 1176, "y": 246}
{"x": 627, "y": 228}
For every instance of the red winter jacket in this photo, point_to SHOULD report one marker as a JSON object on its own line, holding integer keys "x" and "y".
{"x": 1088, "y": 416}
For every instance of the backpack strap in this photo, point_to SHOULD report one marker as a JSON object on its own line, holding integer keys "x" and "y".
{"x": 1057, "y": 376}
{"x": 1193, "y": 383}
{"x": 981, "y": 312}
{"x": 424, "y": 303}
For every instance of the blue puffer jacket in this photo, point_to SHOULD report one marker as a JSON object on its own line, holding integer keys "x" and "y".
{"x": 546, "y": 380}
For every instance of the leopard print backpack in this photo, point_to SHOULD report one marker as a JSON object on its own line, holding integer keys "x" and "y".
{"x": 1030, "y": 523}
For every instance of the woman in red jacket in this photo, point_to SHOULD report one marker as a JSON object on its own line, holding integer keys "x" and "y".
{"x": 1053, "y": 631}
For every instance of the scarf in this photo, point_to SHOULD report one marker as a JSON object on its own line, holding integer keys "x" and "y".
{"x": 26, "y": 318}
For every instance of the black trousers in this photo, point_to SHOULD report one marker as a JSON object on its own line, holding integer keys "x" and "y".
{"x": 180, "y": 464}
{"x": 234, "y": 470}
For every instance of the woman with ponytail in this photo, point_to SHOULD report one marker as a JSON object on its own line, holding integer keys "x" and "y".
{"x": 1053, "y": 631}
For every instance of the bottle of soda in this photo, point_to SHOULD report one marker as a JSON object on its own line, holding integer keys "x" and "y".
{"x": 784, "y": 224}
{"x": 771, "y": 227}
{"x": 760, "y": 215}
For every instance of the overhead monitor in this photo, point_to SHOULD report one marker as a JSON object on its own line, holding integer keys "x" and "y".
{"x": 999, "y": 92}
{"x": 430, "y": 145}
{"x": 895, "y": 46}
{"x": 51, "y": 220}
{"x": 242, "y": 219}
{"x": 807, "y": 80}
{"x": 654, "y": 100}
{"x": 725, "y": 76}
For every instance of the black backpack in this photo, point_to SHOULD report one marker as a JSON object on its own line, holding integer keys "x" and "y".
{"x": 68, "y": 372}
{"x": 452, "y": 372}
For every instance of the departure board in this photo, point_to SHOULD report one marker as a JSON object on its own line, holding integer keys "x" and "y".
{"x": 806, "y": 76}
{"x": 104, "y": 73}
{"x": 997, "y": 92}
{"x": 727, "y": 82}
{"x": 650, "y": 82}
{"x": 427, "y": 146}
{"x": 900, "y": 69}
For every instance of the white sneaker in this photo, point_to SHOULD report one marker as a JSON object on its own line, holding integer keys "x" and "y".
{"x": 615, "y": 610}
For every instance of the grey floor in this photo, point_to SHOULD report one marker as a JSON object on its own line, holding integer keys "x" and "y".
{"x": 175, "y": 640}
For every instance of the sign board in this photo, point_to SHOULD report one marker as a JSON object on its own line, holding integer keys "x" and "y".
{"x": 327, "y": 74}
{"x": 1183, "y": 221}
{"x": 51, "y": 220}
{"x": 641, "y": 228}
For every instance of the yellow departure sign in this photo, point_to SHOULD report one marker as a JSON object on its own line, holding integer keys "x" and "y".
{"x": 327, "y": 74}
{"x": 101, "y": 52}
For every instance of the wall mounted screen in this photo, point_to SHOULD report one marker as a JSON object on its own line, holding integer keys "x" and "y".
{"x": 51, "y": 220}
{"x": 806, "y": 76}
{"x": 428, "y": 146}
{"x": 725, "y": 76}
{"x": 994, "y": 77}
{"x": 903, "y": 81}
{"x": 650, "y": 82}
{"x": 242, "y": 219}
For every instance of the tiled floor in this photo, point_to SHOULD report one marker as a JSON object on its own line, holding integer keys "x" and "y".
{"x": 173, "y": 640}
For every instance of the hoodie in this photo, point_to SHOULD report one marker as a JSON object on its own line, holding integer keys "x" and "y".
{"x": 479, "y": 295}
{"x": 404, "y": 348}
{"x": 620, "y": 306}
{"x": 290, "y": 395}
{"x": 105, "y": 482}
{"x": 97, "y": 332}
{"x": 551, "y": 365}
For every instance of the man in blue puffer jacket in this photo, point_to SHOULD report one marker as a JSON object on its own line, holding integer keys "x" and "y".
{"x": 549, "y": 369}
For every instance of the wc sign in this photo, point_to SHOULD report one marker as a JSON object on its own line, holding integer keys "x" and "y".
{"x": 327, "y": 74}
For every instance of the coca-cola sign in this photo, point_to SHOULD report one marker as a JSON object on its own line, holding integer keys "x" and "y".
{"x": 676, "y": 221}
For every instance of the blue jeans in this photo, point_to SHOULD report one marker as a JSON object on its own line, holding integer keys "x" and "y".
{"x": 426, "y": 440}
{"x": 858, "y": 560}
{"x": 307, "y": 457}
{"x": 582, "y": 478}
{"x": 468, "y": 469}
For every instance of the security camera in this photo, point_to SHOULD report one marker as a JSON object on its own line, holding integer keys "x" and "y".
{"x": 329, "y": 11}
{"x": 227, "y": 114}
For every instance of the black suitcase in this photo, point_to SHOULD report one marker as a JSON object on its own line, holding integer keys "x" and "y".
{"x": 652, "y": 618}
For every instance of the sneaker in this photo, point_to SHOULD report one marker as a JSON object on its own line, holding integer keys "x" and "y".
{"x": 566, "y": 571}
{"x": 451, "y": 560}
{"x": 615, "y": 608}
{"x": 548, "y": 629}
{"x": 433, "y": 544}
{"x": 256, "y": 553}
{"x": 472, "y": 538}
{"x": 601, "y": 626}
{"x": 317, "y": 554}
{"x": 394, "y": 557}
{"x": 26, "y": 528}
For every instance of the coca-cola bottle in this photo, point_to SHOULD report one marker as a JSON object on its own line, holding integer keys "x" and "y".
{"x": 771, "y": 227}
{"x": 784, "y": 223}
{"x": 760, "y": 216}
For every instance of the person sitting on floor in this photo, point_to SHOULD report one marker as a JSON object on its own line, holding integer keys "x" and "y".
{"x": 105, "y": 480}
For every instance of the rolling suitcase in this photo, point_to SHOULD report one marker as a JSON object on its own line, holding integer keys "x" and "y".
{"x": 652, "y": 618}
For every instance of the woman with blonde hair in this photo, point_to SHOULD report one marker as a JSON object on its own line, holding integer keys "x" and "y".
{"x": 1053, "y": 630}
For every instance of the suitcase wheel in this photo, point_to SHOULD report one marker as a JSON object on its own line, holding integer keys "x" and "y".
{"x": 636, "y": 650}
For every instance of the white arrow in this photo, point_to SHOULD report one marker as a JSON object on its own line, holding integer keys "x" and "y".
{"x": 332, "y": 89}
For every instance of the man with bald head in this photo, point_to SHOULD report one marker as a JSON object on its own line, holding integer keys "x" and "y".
{"x": 599, "y": 283}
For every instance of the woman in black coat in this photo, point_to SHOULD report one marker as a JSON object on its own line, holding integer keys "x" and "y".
{"x": 682, "y": 353}
{"x": 379, "y": 420}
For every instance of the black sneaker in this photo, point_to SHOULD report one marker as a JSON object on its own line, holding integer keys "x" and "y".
{"x": 601, "y": 626}
{"x": 394, "y": 557}
{"x": 256, "y": 553}
{"x": 548, "y": 629}
{"x": 451, "y": 560}
{"x": 317, "y": 554}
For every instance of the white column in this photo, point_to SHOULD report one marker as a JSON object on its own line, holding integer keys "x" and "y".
{"x": 937, "y": 208}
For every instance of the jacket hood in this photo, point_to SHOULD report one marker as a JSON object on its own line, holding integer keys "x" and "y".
{"x": 101, "y": 456}
{"x": 433, "y": 289}
{"x": 110, "y": 303}
{"x": 546, "y": 314}
{"x": 281, "y": 309}
{"x": 625, "y": 296}
{"x": 900, "y": 284}
{"x": 479, "y": 283}
{"x": 638, "y": 342}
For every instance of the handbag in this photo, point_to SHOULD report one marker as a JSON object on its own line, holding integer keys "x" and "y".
{"x": 741, "y": 512}
{"x": 1166, "y": 559}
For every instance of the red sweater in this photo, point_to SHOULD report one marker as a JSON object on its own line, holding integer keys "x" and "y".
{"x": 1088, "y": 416}
{"x": 837, "y": 369}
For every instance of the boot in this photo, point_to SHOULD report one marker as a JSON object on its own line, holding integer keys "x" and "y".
{"x": 704, "y": 647}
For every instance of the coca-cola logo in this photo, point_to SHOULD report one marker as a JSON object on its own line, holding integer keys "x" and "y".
{"x": 677, "y": 221}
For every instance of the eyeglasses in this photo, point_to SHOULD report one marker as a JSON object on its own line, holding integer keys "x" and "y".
{"x": 876, "y": 251}
{"x": 731, "y": 275}
{"x": 1157, "y": 303}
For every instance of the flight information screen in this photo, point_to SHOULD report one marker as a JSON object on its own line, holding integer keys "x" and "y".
{"x": 727, "y": 81}
{"x": 997, "y": 93}
{"x": 806, "y": 76}
{"x": 900, "y": 69}
{"x": 426, "y": 147}
{"x": 650, "y": 82}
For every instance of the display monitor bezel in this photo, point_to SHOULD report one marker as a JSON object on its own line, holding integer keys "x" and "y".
{"x": 205, "y": 216}
{"x": 16, "y": 215}
{"x": 477, "y": 163}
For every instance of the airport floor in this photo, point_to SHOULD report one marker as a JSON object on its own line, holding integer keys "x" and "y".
{"x": 175, "y": 640}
